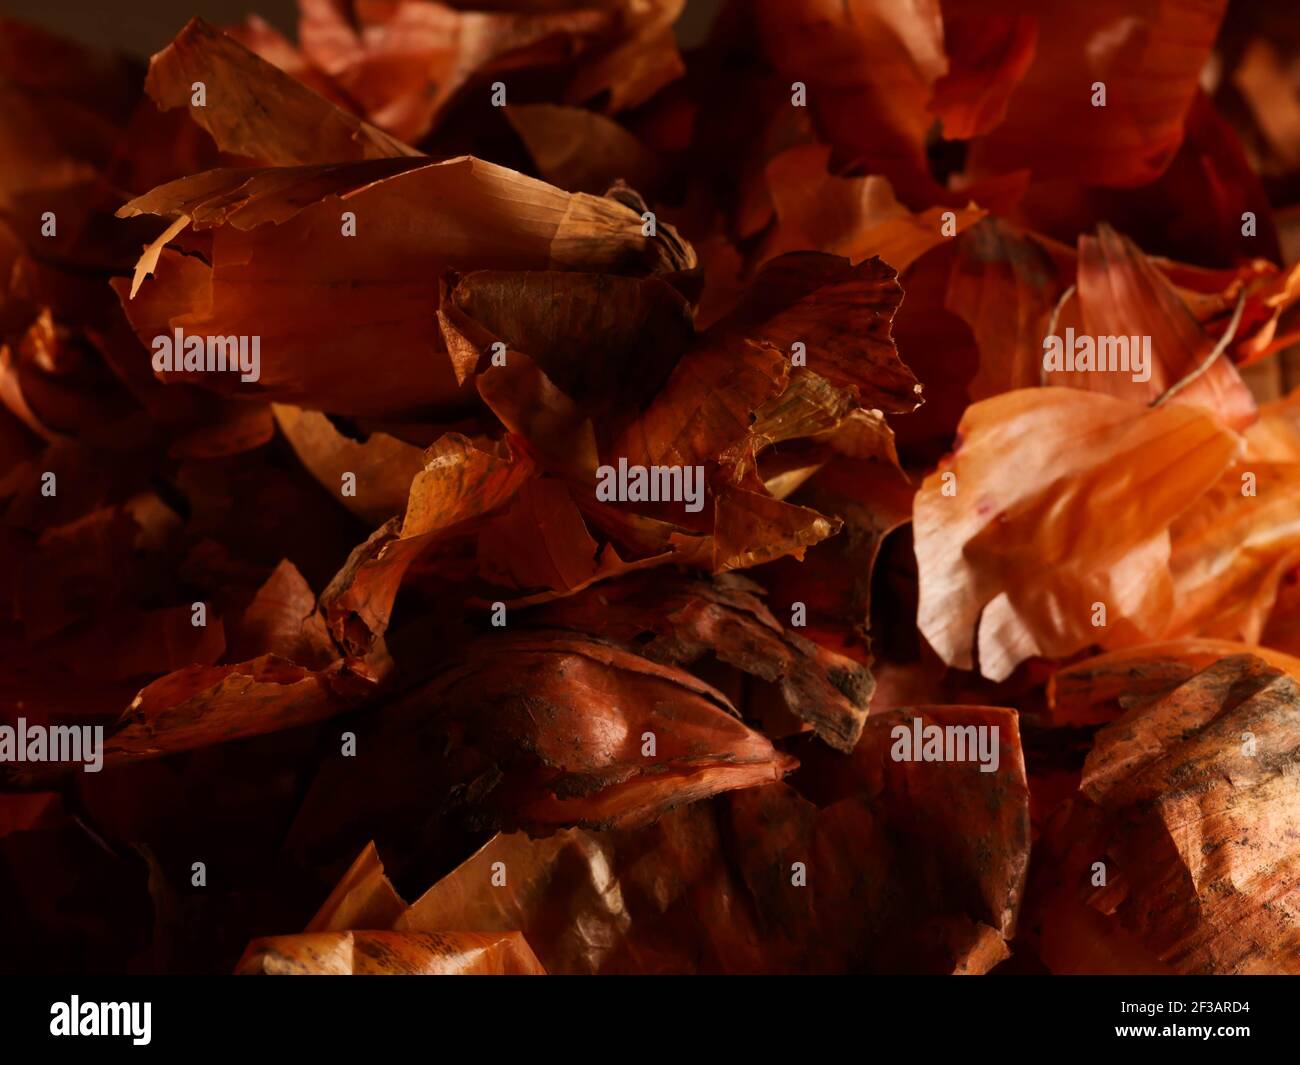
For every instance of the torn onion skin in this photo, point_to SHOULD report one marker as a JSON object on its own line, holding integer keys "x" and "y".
{"x": 646, "y": 486}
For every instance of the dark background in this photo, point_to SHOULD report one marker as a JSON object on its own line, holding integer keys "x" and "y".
{"x": 142, "y": 27}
